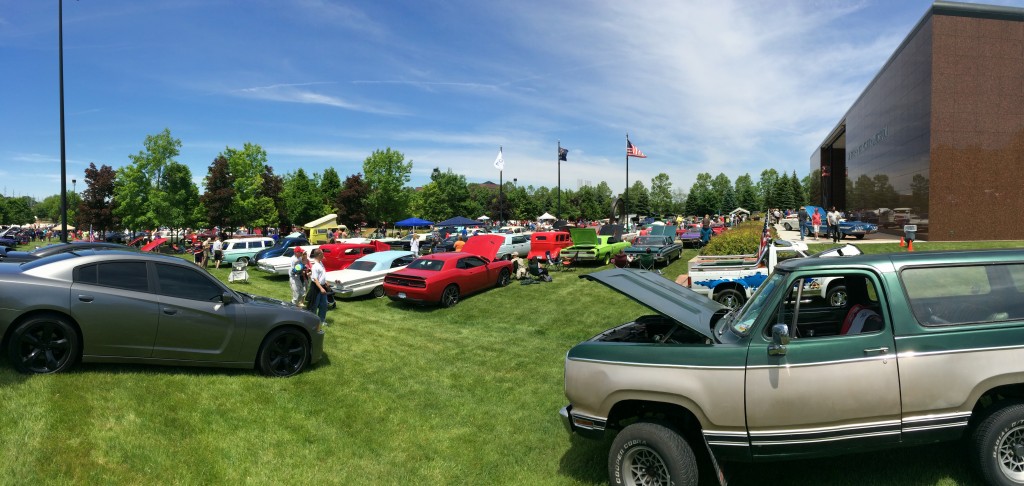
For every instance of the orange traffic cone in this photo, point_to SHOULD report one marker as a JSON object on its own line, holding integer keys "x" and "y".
{"x": 910, "y": 245}
{"x": 902, "y": 244}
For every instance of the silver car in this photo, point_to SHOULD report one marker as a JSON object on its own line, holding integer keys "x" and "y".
{"x": 130, "y": 307}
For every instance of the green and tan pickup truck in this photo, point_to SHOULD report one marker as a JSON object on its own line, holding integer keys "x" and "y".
{"x": 928, "y": 347}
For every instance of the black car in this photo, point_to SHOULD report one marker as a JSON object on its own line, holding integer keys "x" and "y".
{"x": 279, "y": 249}
{"x": 25, "y": 256}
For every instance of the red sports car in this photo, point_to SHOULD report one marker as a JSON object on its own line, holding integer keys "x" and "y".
{"x": 338, "y": 256}
{"x": 444, "y": 277}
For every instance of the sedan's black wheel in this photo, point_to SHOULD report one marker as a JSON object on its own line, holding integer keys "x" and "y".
{"x": 45, "y": 344}
{"x": 651, "y": 454}
{"x": 504, "y": 277}
{"x": 730, "y": 298}
{"x": 450, "y": 296}
{"x": 378, "y": 292}
{"x": 860, "y": 237}
{"x": 998, "y": 446}
{"x": 787, "y": 226}
{"x": 285, "y": 352}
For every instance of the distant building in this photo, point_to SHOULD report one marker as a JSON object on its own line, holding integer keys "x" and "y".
{"x": 939, "y": 131}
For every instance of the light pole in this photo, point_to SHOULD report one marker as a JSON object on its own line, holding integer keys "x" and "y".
{"x": 63, "y": 156}
{"x": 74, "y": 192}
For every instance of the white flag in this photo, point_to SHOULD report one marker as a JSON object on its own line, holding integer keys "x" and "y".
{"x": 499, "y": 163}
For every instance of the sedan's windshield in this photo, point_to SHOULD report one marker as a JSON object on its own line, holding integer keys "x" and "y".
{"x": 362, "y": 265}
{"x": 748, "y": 314}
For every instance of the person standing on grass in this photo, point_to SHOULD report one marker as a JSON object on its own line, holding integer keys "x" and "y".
{"x": 833, "y": 225}
{"x": 218, "y": 251}
{"x": 295, "y": 273}
{"x": 318, "y": 287}
{"x": 816, "y": 222}
{"x": 414, "y": 244}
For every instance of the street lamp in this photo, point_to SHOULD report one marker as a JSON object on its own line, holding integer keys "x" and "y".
{"x": 515, "y": 182}
{"x": 74, "y": 192}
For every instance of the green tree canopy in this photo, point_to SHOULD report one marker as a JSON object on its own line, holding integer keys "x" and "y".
{"x": 387, "y": 173}
{"x": 180, "y": 197}
{"x": 661, "y": 194}
{"x": 302, "y": 199}
{"x": 251, "y": 206}
{"x": 330, "y": 186}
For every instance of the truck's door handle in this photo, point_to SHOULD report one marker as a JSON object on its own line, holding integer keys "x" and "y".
{"x": 883, "y": 349}
{"x": 85, "y": 298}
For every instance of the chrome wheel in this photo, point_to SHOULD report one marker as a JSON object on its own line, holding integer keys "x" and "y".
{"x": 378, "y": 292}
{"x": 643, "y": 466}
{"x": 729, "y": 298}
{"x": 450, "y": 296}
{"x": 837, "y": 297}
{"x": 1011, "y": 454}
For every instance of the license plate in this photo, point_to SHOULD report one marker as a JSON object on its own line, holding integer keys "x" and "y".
{"x": 401, "y": 295}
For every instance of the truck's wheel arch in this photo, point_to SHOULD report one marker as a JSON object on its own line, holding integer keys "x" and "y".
{"x": 674, "y": 415}
{"x": 994, "y": 395}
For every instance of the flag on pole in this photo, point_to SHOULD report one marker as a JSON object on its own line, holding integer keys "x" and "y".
{"x": 632, "y": 151}
{"x": 563, "y": 154}
{"x": 765, "y": 237}
{"x": 499, "y": 163}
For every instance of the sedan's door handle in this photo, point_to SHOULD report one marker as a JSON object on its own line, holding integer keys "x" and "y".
{"x": 85, "y": 298}
{"x": 169, "y": 311}
{"x": 883, "y": 349}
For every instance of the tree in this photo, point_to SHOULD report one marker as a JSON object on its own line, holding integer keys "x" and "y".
{"x": 799, "y": 196}
{"x": 386, "y": 173}
{"x": 180, "y": 197}
{"x": 746, "y": 193}
{"x": 661, "y": 194}
{"x": 702, "y": 199}
{"x": 782, "y": 193}
{"x": 133, "y": 191}
{"x": 160, "y": 150}
{"x": 639, "y": 199}
{"x": 3, "y": 210}
{"x": 273, "y": 187}
{"x": 447, "y": 193}
{"x": 330, "y": 186}
{"x": 19, "y": 210}
{"x": 679, "y": 201}
{"x": 766, "y": 188}
{"x": 351, "y": 201}
{"x": 724, "y": 195}
{"x": 96, "y": 208}
{"x": 250, "y": 206}
{"x": 219, "y": 194}
{"x": 302, "y": 199}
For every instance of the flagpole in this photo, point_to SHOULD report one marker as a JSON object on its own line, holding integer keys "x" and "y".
{"x": 625, "y": 204}
{"x": 501, "y": 209}
{"x": 558, "y": 212}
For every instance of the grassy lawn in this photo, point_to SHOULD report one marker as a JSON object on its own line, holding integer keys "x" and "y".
{"x": 406, "y": 395}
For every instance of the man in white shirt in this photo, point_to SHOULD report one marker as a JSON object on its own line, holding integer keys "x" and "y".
{"x": 833, "y": 224}
{"x": 218, "y": 252}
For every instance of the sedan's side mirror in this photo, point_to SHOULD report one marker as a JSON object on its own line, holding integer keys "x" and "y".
{"x": 226, "y": 298}
{"x": 780, "y": 339}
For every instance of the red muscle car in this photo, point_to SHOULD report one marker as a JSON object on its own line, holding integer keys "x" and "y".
{"x": 444, "y": 277}
{"x": 338, "y": 256}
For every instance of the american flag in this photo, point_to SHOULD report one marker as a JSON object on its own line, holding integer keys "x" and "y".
{"x": 765, "y": 238}
{"x": 632, "y": 151}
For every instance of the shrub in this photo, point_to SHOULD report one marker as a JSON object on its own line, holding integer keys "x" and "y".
{"x": 743, "y": 239}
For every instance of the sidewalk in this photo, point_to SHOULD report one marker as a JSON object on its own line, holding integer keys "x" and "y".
{"x": 822, "y": 238}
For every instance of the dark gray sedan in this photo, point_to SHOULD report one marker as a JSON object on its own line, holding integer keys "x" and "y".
{"x": 130, "y": 307}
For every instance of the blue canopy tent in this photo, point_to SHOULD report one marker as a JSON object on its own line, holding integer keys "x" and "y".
{"x": 460, "y": 221}
{"x": 405, "y": 223}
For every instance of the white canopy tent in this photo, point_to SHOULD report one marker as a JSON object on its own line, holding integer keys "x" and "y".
{"x": 483, "y": 218}
{"x": 546, "y": 216}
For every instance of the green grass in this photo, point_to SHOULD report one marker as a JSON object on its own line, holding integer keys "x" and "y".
{"x": 406, "y": 395}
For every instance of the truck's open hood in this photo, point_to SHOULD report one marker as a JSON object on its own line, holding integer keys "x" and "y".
{"x": 663, "y": 296}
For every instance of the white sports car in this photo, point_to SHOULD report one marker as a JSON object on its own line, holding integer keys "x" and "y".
{"x": 280, "y": 265}
{"x": 366, "y": 275}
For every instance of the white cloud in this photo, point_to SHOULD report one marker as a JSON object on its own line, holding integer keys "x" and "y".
{"x": 297, "y": 93}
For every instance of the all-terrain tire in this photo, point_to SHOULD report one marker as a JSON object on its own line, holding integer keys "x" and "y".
{"x": 646, "y": 453}
{"x": 997, "y": 445}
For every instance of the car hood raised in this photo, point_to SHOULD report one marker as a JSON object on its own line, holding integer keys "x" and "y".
{"x": 667, "y": 298}
{"x": 486, "y": 246}
{"x": 583, "y": 236}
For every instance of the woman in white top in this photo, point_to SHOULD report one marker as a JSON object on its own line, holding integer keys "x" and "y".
{"x": 414, "y": 244}
{"x": 318, "y": 284}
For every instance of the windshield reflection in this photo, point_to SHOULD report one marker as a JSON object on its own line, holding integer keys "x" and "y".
{"x": 748, "y": 314}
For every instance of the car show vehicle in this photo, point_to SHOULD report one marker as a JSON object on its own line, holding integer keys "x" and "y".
{"x": 132, "y": 307}
{"x": 731, "y": 279}
{"x": 338, "y": 256}
{"x": 244, "y": 249}
{"x": 27, "y": 256}
{"x": 791, "y": 222}
{"x": 689, "y": 235}
{"x": 589, "y": 246}
{"x": 660, "y": 243}
{"x": 281, "y": 265}
{"x": 443, "y": 278}
{"x": 544, "y": 243}
{"x": 366, "y": 275}
{"x": 856, "y": 229}
{"x": 280, "y": 247}
{"x": 514, "y": 243}
{"x": 928, "y": 348}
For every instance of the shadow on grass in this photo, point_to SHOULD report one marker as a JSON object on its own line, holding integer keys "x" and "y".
{"x": 586, "y": 460}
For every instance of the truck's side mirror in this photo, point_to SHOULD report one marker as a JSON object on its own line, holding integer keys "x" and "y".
{"x": 780, "y": 338}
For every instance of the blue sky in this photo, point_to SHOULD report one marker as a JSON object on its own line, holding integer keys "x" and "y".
{"x": 701, "y": 86}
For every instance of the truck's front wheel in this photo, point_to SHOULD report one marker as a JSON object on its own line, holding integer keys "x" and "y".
{"x": 646, "y": 453}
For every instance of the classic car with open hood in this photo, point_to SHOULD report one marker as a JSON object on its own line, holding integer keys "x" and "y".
{"x": 589, "y": 246}
{"x": 926, "y": 347}
{"x": 443, "y": 278}
{"x": 660, "y": 243}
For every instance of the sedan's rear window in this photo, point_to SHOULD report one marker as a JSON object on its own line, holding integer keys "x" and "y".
{"x": 423, "y": 264}
{"x": 123, "y": 275}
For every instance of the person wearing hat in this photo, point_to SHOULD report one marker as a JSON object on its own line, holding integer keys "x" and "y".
{"x": 801, "y": 219}
{"x": 295, "y": 270}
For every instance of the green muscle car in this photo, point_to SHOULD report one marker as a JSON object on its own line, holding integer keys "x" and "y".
{"x": 588, "y": 246}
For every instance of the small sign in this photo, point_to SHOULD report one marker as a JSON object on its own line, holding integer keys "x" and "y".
{"x": 909, "y": 227}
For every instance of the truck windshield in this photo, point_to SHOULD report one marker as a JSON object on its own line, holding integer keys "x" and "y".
{"x": 748, "y": 314}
